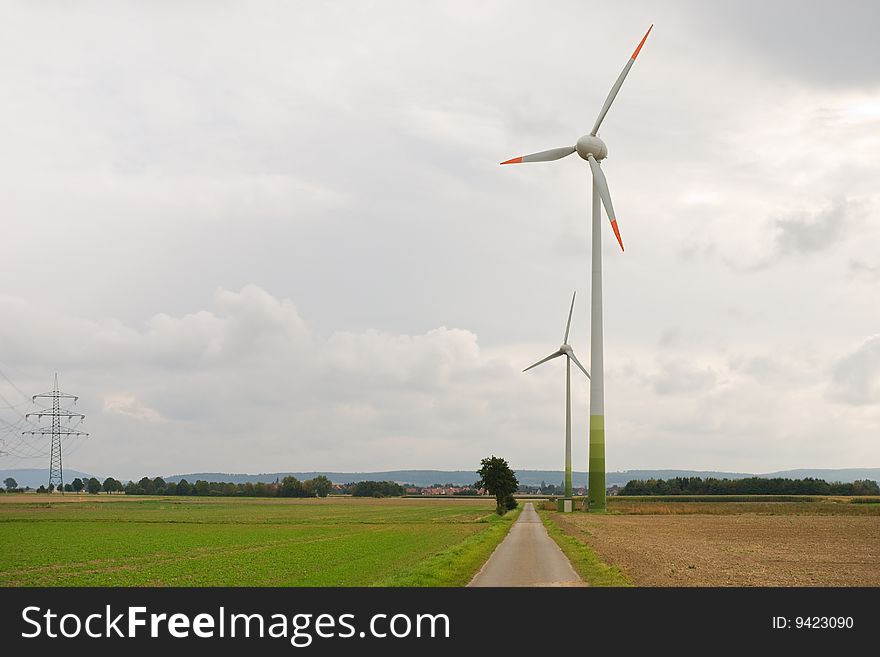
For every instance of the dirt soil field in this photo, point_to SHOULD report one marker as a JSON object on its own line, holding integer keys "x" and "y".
{"x": 735, "y": 550}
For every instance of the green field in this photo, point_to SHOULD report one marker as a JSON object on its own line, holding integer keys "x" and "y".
{"x": 149, "y": 541}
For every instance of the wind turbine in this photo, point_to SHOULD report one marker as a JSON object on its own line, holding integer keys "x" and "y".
{"x": 592, "y": 149}
{"x": 566, "y": 350}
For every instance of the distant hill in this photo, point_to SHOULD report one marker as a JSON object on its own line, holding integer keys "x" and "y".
{"x": 621, "y": 478}
{"x": 416, "y": 477}
{"x": 35, "y": 477}
{"x": 526, "y": 477}
{"x": 843, "y": 475}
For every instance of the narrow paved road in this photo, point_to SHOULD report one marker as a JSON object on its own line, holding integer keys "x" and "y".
{"x": 527, "y": 557}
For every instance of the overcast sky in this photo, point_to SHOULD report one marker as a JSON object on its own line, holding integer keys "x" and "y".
{"x": 275, "y": 236}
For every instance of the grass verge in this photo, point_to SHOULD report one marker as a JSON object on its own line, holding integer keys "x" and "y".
{"x": 587, "y": 563}
{"x": 457, "y": 565}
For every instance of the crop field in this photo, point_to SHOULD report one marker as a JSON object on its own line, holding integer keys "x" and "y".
{"x": 694, "y": 542}
{"x": 148, "y": 541}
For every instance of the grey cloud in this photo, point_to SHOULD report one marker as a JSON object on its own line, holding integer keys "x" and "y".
{"x": 806, "y": 233}
{"x": 822, "y": 43}
{"x": 670, "y": 337}
{"x": 693, "y": 250}
{"x": 855, "y": 378}
{"x": 758, "y": 366}
{"x": 680, "y": 376}
{"x": 803, "y": 233}
{"x": 864, "y": 272}
{"x": 799, "y": 233}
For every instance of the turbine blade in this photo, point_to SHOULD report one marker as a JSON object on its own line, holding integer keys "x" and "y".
{"x": 613, "y": 93}
{"x": 602, "y": 184}
{"x": 543, "y": 156}
{"x": 568, "y": 325}
{"x": 555, "y": 354}
{"x": 578, "y": 363}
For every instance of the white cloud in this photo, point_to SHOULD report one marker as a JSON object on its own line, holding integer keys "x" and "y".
{"x": 122, "y": 403}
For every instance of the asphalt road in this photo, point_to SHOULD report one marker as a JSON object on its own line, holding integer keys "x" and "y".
{"x": 527, "y": 557}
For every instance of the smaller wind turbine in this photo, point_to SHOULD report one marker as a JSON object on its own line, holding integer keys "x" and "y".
{"x": 566, "y": 350}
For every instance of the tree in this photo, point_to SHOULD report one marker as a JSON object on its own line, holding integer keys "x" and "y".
{"x": 77, "y": 485}
{"x": 322, "y": 485}
{"x": 291, "y": 487}
{"x": 93, "y": 486}
{"x": 51, "y": 487}
{"x": 111, "y": 485}
{"x": 68, "y": 488}
{"x": 377, "y": 489}
{"x": 11, "y": 484}
{"x": 497, "y": 478}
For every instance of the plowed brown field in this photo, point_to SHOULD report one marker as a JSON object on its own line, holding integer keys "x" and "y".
{"x": 741, "y": 545}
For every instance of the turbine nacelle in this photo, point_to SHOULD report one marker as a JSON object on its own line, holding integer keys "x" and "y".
{"x": 591, "y": 145}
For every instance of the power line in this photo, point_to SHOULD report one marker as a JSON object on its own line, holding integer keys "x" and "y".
{"x": 17, "y": 389}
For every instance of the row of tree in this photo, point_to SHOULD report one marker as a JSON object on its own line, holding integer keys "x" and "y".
{"x": 289, "y": 486}
{"x": 374, "y": 489}
{"x": 90, "y": 485}
{"x": 495, "y": 476}
{"x": 747, "y": 486}
{"x": 543, "y": 489}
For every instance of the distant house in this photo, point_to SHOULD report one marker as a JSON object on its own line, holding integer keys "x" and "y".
{"x": 443, "y": 490}
{"x": 614, "y": 490}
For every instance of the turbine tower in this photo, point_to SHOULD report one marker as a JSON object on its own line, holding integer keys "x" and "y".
{"x": 566, "y": 350}
{"x": 592, "y": 149}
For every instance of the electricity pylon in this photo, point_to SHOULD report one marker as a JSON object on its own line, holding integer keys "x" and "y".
{"x": 57, "y": 431}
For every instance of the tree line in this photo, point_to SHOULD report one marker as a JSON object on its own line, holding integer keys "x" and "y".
{"x": 289, "y": 486}
{"x": 90, "y": 485}
{"x": 747, "y": 486}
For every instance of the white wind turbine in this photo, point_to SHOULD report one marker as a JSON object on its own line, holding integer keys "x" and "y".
{"x": 568, "y": 352}
{"x": 592, "y": 149}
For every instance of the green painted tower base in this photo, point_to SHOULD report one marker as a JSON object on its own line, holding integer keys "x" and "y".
{"x": 564, "y": 505}
{"x": 597, "y": 463}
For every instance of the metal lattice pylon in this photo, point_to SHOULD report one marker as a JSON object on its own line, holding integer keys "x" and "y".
{"x": 57, "y": 431}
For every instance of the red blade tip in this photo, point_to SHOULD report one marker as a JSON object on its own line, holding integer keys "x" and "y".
{"x": 617, "y": 233}
{"x": 642, "y": 42}
{"x": 515, "y": 160}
